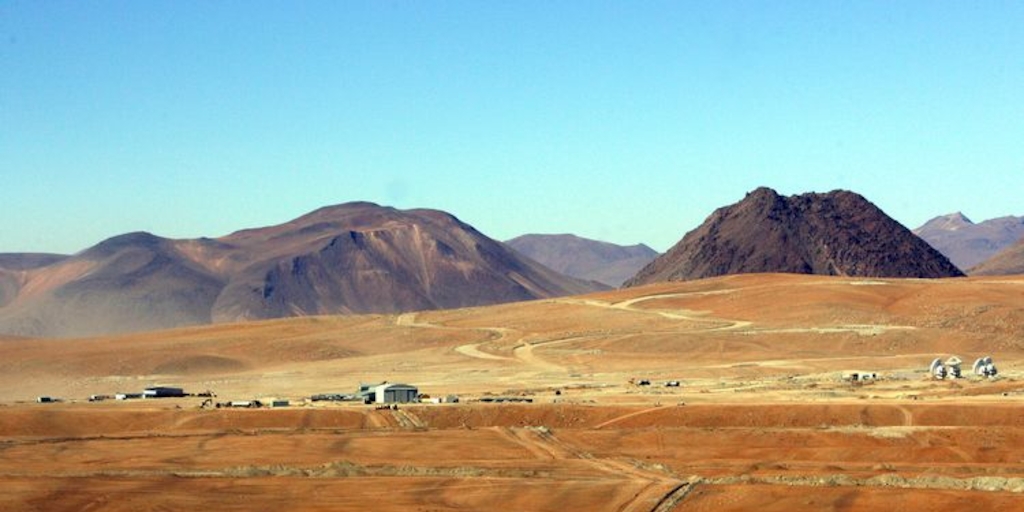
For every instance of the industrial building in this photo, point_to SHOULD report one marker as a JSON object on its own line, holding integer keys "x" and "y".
{"x": 162, "y": 392}
{"x": 389, "y": 393}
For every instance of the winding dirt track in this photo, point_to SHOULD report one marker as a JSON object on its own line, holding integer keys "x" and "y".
{"x": 469, "y": 349}
{"x": 523, "y": 350}
{"x": 718, "y": 324}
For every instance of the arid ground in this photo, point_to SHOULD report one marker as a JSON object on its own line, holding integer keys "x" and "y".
{"x": 762, "y": 419}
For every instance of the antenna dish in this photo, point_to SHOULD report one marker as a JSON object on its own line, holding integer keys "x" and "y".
{"x": 979, "y": 366}
{"x": 985, "y": 367}
{"x": 953, "y": 367}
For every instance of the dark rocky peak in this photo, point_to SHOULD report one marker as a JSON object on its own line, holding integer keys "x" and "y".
{"x": 835, "y": 233}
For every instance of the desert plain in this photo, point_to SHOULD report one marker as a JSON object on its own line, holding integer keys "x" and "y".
{"x": 762, "y": 419}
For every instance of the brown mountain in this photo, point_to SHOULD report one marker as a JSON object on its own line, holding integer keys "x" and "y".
{"x": 363, "y": 258}
{"x": 967, "y": 244}
{"x": 131, "y": 282}
{"x": 838, "y": 233}
{"x": 1007, "y": 261}
{"x": 352, "y": 258}
{"x": 13, "y": 267}
{"x": 583, "y": 258}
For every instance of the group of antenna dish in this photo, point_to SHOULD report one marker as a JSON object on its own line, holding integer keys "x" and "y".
{"x": 950, "y": 369}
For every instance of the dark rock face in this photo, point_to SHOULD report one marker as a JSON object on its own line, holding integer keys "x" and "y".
{"x": 353, "y": 258}
{"x": 582, "y": 258}
{"x": 968, "y": 244}
{"x": 838, "y": 233}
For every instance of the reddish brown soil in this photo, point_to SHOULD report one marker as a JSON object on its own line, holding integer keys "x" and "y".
{"x": 762, "y": 419}
{"x": 775, "y": 498}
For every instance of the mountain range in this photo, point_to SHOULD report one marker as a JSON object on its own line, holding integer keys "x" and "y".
{"x": 837, "y": 233}
{"x": 364, "y": 258}
{"x": 968, "y": 244}
{"x": 351, "y": 258}
{"x": 583, "y": 258}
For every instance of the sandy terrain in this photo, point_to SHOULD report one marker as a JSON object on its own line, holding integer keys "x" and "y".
{"x": 762, "y": 419}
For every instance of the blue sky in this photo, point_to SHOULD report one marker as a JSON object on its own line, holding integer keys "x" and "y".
{"x": 621, "y": 121}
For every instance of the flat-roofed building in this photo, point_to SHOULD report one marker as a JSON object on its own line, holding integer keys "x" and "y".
{"x": 390, "y": 393}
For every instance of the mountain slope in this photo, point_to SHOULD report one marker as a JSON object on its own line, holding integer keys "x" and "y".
{"x": 14, "y": 266}
{"x": 967, "y": 244}
{"x": 1007, "y": 261}
{"x": 353, "y": 258}
{"x": 362, "y": 258}
{"x": 583, "y": 258}
{"x": 27, "y": 261}
{"x": 838, "y": 233}
{"x": 131, "y": 282}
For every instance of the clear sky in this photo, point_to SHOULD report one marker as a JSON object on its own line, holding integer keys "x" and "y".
{"x": 625, "y": 121}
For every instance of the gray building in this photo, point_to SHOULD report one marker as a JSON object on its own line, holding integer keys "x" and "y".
{"x": 162, "y": 392}
{"x": 389, "y": 393}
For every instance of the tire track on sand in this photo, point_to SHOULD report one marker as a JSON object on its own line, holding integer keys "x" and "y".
{"x": 626, "y": 417}
{"x": 661, "y": 491}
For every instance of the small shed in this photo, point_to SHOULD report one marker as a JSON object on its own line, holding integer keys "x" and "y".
{"x": 390, "y": 393}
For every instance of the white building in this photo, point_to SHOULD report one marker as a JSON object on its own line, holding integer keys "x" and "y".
{"x": 389, "y": 393}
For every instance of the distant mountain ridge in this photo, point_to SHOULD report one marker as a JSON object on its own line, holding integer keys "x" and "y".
{"x": 25, "y": 261}
{"x": 13, "y": 265}
{"x": 1009, "y": 261}
{"x": 837, "y": 233}
{"x": 350, "y": 258}
{"x": 967, "y": 244}
{"x": 584, "y": 258}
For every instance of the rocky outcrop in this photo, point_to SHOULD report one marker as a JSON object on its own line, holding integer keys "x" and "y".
{"x": 838, "y": 233}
